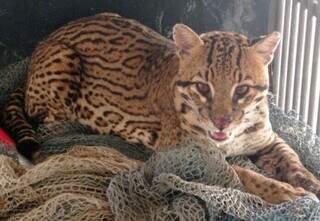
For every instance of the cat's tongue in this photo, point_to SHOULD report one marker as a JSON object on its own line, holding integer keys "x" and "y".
{"x": 219, "y": 136}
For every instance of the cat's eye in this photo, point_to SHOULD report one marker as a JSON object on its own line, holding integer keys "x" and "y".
{"x": 203, "y": 88}
{"x": 241, "y": 91}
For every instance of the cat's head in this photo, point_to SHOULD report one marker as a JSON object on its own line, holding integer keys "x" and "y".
{"x": 222, "y": 79}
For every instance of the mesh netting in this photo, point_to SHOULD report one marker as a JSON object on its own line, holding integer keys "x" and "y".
{"x": 69, "y": 186}
{"x": 197, "y": 172}
{"x": 95, "y": 177}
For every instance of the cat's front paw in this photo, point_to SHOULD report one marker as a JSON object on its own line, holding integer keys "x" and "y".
{"x": 284, "y": 193}
{"x": 307, "y": 181}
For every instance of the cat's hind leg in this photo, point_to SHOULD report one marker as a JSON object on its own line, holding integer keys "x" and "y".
{"x": 54, "y": 84}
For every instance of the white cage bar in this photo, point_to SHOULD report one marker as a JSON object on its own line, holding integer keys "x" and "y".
{"x": 296, "y": 67}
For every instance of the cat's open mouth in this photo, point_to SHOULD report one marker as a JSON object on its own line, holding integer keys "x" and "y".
{"x": 219, "y": 136}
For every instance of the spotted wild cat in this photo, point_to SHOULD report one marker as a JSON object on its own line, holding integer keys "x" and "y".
{"x": 119, "y": 77}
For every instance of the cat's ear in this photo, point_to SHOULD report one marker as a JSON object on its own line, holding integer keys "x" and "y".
{"x": 186, "y": 40}
{"x": 266, "y": 47}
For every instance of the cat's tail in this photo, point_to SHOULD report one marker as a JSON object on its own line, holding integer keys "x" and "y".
{"x": 14, "y": 121}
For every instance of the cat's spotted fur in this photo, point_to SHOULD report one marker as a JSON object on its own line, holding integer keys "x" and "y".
{"x": 119, "y": 77}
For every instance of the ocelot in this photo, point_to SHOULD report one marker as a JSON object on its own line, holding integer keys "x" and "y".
{"x": 119, "y": 77}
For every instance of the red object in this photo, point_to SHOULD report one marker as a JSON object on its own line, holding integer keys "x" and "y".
{"x": 5, "y": 138}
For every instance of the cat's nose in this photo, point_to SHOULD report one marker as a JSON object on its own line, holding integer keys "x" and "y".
{"x": 221, "y": 122}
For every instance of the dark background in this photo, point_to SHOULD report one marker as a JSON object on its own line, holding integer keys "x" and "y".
{"x": 23, "y": 23}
